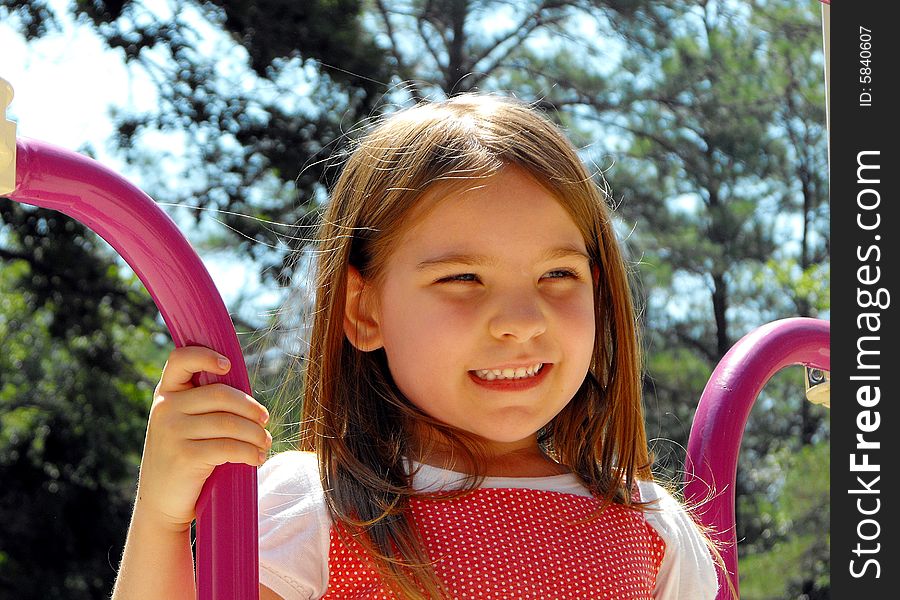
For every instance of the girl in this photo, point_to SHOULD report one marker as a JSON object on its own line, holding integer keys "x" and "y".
{"x": 472, "y": 421}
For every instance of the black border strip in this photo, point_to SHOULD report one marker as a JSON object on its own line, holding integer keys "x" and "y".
{"x": 864, "y": 191}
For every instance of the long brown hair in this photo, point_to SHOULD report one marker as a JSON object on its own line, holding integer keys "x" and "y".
{"x": 356, "y": 419}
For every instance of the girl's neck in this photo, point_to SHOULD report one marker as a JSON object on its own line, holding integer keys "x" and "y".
{"x": 498, "y": 461}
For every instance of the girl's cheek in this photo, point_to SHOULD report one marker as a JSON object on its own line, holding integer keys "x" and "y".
{"x": 573, "y": 305}
{"x": 455, "y": 321}
{"x": 428, "y": 321}
{"x": 459, "y": 306}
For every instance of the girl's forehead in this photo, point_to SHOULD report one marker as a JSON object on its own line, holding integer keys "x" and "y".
{"x": 509, "y": 207}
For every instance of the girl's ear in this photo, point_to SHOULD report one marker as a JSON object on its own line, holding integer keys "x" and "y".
{"x": 360, "y": 319}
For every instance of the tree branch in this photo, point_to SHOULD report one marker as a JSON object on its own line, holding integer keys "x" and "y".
{"x": 405, "y": 73}
{"x": 426, "y": 39}
{"x": 517, "y": 31}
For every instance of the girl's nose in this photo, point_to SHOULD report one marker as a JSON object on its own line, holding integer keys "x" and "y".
{"x": 519, "y": 317}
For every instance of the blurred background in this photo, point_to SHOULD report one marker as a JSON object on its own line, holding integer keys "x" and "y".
{"x": 706, "y": 117}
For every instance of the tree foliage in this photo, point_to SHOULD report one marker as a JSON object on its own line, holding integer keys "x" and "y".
{"x": 79, "y": 345}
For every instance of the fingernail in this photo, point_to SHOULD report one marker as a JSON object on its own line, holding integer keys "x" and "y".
{"x": 223, "y": 363}
{"x": 262, "y": 457}
{"x": 264, "y": 418}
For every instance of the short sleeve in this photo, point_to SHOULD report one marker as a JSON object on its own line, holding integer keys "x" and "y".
{"x": 294, "y": 527}
{"x": 687, "y": 569}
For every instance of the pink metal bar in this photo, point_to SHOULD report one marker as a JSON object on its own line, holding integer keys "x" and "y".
{"x": 193, "y": 310}
{"x": 718, "y": 426}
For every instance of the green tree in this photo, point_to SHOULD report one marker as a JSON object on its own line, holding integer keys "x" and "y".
{"x": 796, "y": 564}
{"x": 81, "y": 343}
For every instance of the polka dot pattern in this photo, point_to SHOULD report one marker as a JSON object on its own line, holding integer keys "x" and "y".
{"x": 520, "y": 543}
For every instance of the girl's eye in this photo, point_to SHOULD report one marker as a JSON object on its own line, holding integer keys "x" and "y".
{"x": 462, "y": 277}
{"x": 473, "y": 278}
{"x": 562, "y": 274}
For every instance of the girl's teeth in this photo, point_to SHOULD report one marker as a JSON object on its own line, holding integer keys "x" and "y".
{"x": 520, "y": 373}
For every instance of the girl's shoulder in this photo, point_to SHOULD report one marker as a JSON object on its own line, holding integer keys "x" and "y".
{"x": 688, "y": 569}
{"x": 294, "y": 526}
{"x": 289, "y": 466}
{"x": 668, "y": 515}
{"x": 291, "y": 475}
{"x": 288, "y": 486}
{"x": 659, "y": 497}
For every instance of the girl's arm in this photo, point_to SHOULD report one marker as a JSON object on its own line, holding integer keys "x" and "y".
{"x": 191, "y": 430}
{"x": 267, "y": 594}
{"x": 687, "y": 569}
{"x": 156, "y": 562}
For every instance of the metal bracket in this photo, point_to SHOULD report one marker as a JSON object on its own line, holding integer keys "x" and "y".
{"x": 818, "y": 387}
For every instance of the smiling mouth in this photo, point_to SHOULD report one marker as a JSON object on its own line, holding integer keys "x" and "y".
{"x": 509, "y": 374}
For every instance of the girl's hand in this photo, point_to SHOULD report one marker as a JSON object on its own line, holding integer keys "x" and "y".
{"x": 193, "y": 429}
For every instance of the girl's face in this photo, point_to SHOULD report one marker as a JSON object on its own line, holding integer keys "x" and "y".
{"x": 488, "y": 285}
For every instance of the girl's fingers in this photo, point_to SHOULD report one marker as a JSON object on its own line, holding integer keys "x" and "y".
{"x": 184, "y": 362}
{"x": 227, "y": 426}
{"x": 221, "y": 398}
{"x": 220, "y": 451}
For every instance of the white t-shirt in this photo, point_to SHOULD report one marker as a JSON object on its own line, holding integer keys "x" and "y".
{"x": 295, "y": 528}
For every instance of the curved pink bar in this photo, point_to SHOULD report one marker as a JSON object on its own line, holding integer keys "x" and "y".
{"x": 129, "y": 220}
{"x": 718, "y": 426}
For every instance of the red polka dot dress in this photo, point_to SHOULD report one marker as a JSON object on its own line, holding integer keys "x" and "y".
{"x": 518, "y": 538}
{"x": 520, "y": 543}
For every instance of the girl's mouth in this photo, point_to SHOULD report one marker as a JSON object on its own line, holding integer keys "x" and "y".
{"x": 522, "y": 378}
{"x": 519, "y": 373}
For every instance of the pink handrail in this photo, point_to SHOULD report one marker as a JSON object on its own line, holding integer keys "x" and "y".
{"x": 193, "y": 310}
{"x": 718, "y": 426}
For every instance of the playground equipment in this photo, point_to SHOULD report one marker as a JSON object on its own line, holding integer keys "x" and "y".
{"x": 40, "y": 174}
{"x": 718, "y": 426}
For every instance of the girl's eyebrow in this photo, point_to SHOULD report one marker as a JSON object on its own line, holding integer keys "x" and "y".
{"x": 478, "y": 260}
